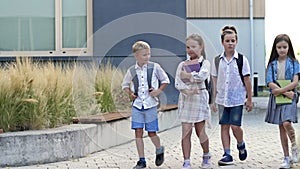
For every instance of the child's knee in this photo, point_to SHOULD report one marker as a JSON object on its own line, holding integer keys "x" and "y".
{"x": 152, "y": 134}
{"x": 139, "y": 133}
{"x": 235, "y": 128}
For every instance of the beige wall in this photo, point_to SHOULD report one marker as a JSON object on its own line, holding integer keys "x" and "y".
{"x": 224, "y": 8}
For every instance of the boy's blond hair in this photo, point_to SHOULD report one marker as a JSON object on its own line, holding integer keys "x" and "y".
{"x": 139, "y": 45}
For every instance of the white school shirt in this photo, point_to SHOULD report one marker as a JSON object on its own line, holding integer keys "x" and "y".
{"x": 230, "y": 89}
{"x": 194, "y": 108}
{"x": 144, "y": 98}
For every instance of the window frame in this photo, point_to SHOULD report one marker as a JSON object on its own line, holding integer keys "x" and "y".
{"x": 59, "y": 50}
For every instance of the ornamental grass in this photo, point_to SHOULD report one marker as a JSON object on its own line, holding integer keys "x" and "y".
{"x": 38, "y": 95}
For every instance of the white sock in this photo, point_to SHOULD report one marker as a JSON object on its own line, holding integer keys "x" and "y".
{"x": 187, "y": 162}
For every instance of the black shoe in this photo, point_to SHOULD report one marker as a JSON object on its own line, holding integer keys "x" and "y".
{"x": 140, "y": 164}
{"x": 242, "y": 152}
{"x": 226, "y": 160}
{"x": 160, "y": 156}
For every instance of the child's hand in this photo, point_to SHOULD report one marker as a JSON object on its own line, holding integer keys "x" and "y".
{"x": 132, "y": 96}
{"x": 289, "y": 94}
{"x": 153, "y": 92}
{"x": 214, "y": 107}
{"x": 249, "y": 106}
{"x": 185, "y": 75}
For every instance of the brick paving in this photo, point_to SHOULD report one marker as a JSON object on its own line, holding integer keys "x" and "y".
{"x": 262, "y": 142}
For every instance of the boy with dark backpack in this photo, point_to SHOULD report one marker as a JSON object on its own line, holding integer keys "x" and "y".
{"x": 145, "y": 76}
{"x": 209, "y": 82}
{"x": 232, "y": 83}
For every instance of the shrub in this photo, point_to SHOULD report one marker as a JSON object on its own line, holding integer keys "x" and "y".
{"x": 108, "y": 81}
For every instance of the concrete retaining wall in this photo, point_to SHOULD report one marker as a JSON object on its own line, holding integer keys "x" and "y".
{"x": 72, "y": 141}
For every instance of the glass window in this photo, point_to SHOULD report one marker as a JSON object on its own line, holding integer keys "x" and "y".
{"x": 45, "y": 27}
{"x": 27, "y": 25}
{"x": 74, "y": 15}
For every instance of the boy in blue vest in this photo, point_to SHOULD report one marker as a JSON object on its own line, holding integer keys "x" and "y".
{"x": 144, "y": 94}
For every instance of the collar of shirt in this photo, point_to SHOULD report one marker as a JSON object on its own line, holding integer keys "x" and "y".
{"x": 200, "y": 59}
{"x": 138, "y": 67}
{"x": 235, "y": 55}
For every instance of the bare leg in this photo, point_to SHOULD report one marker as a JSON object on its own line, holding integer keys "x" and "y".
{"x": 200, "y": 131}
{"x": 155, "y": 139}
{"x": 139, "y": 141}
{"x": 284, "y": 140}
{"x": 225, "y": 136}
{"x": 238, "y": 133}
{"x": 289, "y": 129}
{"x": 186, "y": 140}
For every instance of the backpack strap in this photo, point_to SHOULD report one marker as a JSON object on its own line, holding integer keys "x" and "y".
{"x": 239, "y": 61}
{"x": 208, "y": 85}
{"x": 134, "y": 79}
{"x": 217, "y": 62}
{"x": 150, "y": 67}
{"x": 206, "y": 81}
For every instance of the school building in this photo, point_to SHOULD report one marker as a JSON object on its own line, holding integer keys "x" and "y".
{"x": 104, "y": 30}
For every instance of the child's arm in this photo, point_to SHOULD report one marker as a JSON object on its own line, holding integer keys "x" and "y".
{"x": 248, "y": 87}
{"x": 287, "y": 90}
{"x": 126, "y": 85}
{"x": 131, "y": 95}
{"x": 204, "y": 72}
{"x": 156, "y": 92}
{"x": 163, "y": 78}
{"x": 179, "y": 84}
{"x": 214, "y": 94}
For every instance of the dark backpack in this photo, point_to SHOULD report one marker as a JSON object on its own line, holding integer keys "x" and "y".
{"x": 135, "y": 79}
{"x": 239, "y": 62}
{"x": 208, "y": 86}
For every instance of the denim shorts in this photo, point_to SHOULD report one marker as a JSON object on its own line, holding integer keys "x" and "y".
{"x": 231, "y": 115}
{"x": 145, "y": 118}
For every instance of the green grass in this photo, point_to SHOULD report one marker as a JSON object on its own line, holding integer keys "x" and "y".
{"x": 264, "y": 93}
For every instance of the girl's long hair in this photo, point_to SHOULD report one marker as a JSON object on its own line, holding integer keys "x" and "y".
{"x": 279, "y": 38}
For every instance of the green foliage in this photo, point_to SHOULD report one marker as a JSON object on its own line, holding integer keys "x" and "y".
{"x": 37, "y": 96}
{"x": 108, "y": 82}
{"x": 106, "y": 100}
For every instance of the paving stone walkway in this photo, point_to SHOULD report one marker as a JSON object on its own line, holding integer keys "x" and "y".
{"x": 262, "y": 141}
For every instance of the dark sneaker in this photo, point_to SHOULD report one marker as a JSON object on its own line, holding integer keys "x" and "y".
{"x": 242, "y": 152}
{"x": 160, "y": 156}
{"x": 140, "y": 164}
{"x": 226, "y": 160}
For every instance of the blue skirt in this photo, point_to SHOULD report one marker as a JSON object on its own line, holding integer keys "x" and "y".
{"x": 277, "y": 114}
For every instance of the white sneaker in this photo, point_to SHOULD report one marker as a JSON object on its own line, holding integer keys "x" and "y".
{"x": 286, "y": 163}
{"x": 206, "y": 163}
{"x": 295, "y": 154}
{"x": 186, "y": 166}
